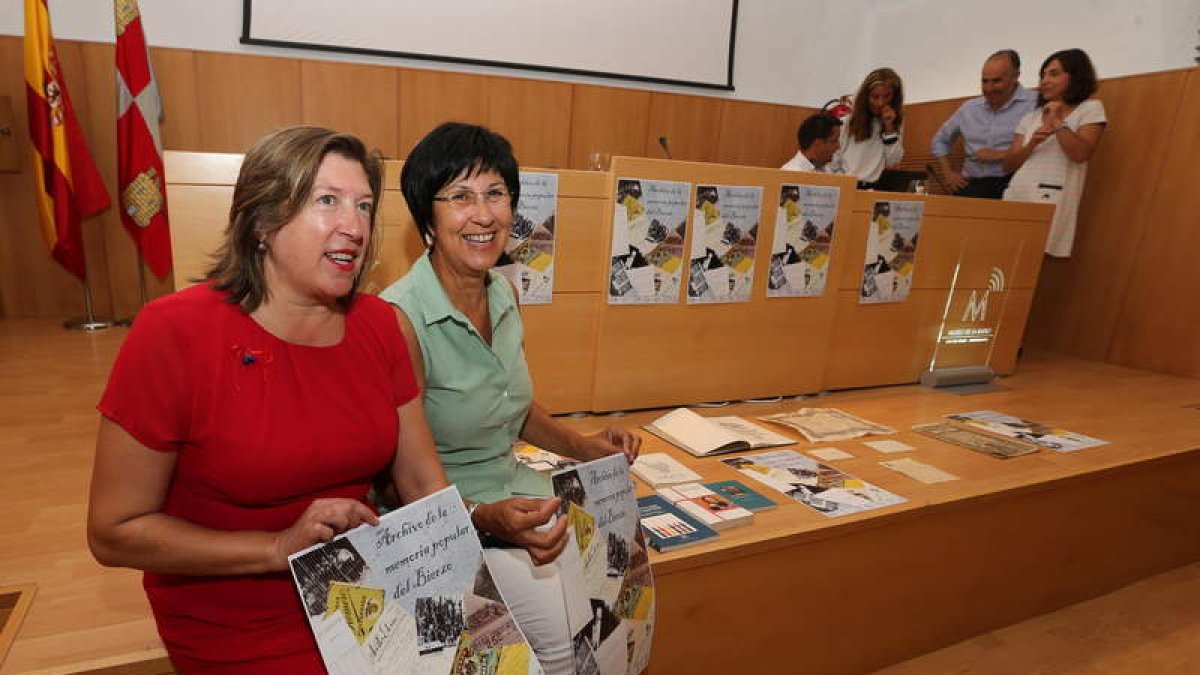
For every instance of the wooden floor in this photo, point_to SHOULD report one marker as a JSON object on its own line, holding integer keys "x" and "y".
{"x": 87, "y": 618}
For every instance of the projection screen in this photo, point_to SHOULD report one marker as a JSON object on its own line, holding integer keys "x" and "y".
{"x": 687, "y": 42}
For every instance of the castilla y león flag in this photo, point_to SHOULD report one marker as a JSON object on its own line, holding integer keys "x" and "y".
{"x": 139, "y": 147}
{"x": 68, "y": 187}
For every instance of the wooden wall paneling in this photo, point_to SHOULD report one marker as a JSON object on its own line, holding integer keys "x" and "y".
{"x": 18, "y": 226}
{"x": 10, "y": 159}
{"x": 1076, "y": 308}
{"x": 535, "y": 116}
{"x": 580, "y": 259}
{"x": 560, "y": 347}
{"x": 1156, "y": 326}
{"x": 428, "y": 98}
{"x": 691, "y": 125}
{"x": 880, "y": 344}
{"x": 399, "y": 243}
{"x": 656, "y": 355}
{"x": 756, "y": 134}
{"x": 244, "y": 97}
{"x": 175, "y": 71}
{"x": 609, "y": 120}
{"x": 201, "y": 213}
{"x": 347, "y": 97}
{"x": 921, "y": 122}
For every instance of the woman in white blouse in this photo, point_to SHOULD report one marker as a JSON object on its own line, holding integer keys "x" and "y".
{"x": 870, "y": 139}
{"x": 1053, "y": 143}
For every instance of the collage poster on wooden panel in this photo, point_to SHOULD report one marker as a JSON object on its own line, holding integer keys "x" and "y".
{"x": 804, "y": 225}
{"x": 649, "y": 229}
{"x": 891, "y": 249}
{"x": 724, "y": 241}
{"x": 528, "y": 259}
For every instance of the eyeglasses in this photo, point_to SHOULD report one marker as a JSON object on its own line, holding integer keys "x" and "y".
{"x": 465, "y": 199}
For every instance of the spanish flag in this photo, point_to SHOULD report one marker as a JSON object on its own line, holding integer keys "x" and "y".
{"x": 68, "y": 187}
{"x": 140, "y": 180}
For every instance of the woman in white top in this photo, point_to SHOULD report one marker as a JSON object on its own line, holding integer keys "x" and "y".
{"x": 1053, "y": 143}
{"x": 870, "y": 140}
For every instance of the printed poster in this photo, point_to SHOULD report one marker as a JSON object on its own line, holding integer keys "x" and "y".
{"x": 724, "y": 241}
{"x": 803, "y": 236}
{"x": 411, "y": 595}
{"x": 611, "y": 614}
{"x": 891, "y": 249}
{"x": 528, "y": 258}
{"x": 649, "y": 228}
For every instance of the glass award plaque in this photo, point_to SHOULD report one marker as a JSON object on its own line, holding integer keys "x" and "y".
{"x": 973, "y": 313}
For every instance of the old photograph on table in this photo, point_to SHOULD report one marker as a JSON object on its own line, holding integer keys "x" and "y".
{"x": 979, "y": 441}
{"x": 724, "y": 243}
{"x": 649, "y": 228}
{"x": 891, "y": 251}
{"x": 800, "y": 250}
{"x": 611, "y": 613}
{"x": 528, "y": 258}
{"x": 819, "y": 486}
{"x": 412, "y": 595}
{"x": 1043, "y": 435}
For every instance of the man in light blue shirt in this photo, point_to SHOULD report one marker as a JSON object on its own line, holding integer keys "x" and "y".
{"x": 987, "y": 124}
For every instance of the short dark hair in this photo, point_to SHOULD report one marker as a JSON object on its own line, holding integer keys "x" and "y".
{"x": 449, "y": 151}
{"x": 1013, "y": 57}
{"x": 1075, "y": 62}
{"x": 272, "y": 188}
{"x": 815, "y": 128}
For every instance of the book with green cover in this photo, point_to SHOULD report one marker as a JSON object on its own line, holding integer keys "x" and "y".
{"x": 737, "y": 492}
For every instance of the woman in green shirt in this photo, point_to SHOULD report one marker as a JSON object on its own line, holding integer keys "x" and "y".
{"x": 465, "y": 335}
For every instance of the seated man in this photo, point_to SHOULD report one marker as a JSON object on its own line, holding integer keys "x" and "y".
{"x": 987, "y": 124}
{"x": 818, "y": 137}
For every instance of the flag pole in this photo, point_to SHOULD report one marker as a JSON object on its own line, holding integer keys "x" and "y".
{"x": 89, "y": 322}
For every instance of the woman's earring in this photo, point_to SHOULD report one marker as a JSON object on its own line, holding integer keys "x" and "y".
{"x": 262, "y": 246}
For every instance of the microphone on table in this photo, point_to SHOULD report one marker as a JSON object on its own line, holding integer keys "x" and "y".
{"x": 662, "y": 141}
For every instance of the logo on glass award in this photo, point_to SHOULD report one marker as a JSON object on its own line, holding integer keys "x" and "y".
{"x": 977, "y": 305}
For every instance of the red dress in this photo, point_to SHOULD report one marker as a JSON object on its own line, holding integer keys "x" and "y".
{"x": 261, "y": 428}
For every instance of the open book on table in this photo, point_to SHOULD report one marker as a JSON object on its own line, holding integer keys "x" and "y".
{"x": 703, "y": 436}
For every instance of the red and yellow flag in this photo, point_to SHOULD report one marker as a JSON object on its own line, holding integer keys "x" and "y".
{"x": 140, "y": 181}
{"x": 68, "y": 187}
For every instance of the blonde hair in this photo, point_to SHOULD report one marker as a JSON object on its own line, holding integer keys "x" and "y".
{"x": 860, "y": 118}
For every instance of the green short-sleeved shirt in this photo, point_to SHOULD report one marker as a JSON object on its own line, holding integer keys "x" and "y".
{"x": 476, "y": 395}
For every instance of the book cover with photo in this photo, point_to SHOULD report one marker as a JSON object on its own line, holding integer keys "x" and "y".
{"x": 605, "y": 569}
{"x": 705, "y": 505}
{"x": 800, "y": 251}
{"x": 411, "y": 595}
{"x": 739, "y": 493}
{"x": 528, "y": 258}
{"x": 818, "y": 486}
{"x": 669, "y": 528}
{"x": 724, "y": 243}
{"x": 892, "y": 238}
{"x": 649, "y": 229}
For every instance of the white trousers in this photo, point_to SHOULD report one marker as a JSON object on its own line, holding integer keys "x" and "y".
{"x": 538, "y": 603}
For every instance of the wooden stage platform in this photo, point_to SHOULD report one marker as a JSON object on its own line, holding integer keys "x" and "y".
{"x": 794, "y": 592}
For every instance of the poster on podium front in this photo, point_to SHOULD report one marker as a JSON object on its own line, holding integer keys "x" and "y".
{"x": 724, "y": 243}
{"x": 648, "y": 234}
